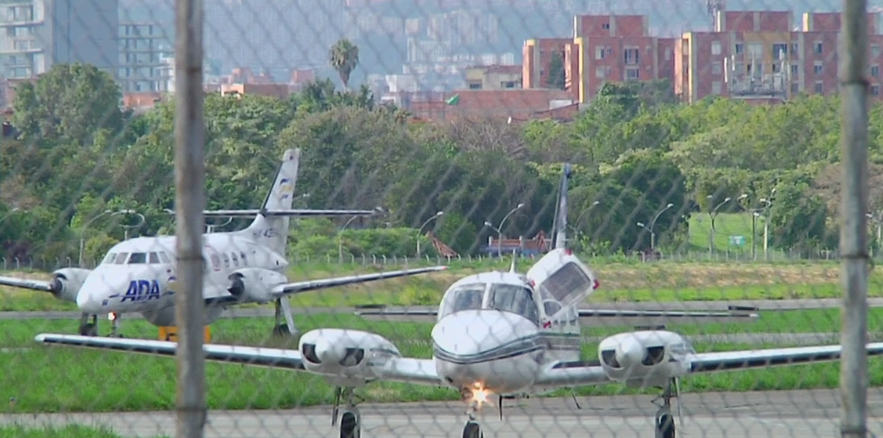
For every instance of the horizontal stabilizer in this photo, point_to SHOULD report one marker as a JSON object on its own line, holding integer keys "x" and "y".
{"x": 276, "y": 213}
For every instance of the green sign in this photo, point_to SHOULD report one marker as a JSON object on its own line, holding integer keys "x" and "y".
{"x": 737, "y": 240}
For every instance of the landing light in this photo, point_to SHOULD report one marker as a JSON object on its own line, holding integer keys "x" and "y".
{"x": 111, "y": 316}
{"x": 480, "y": 395}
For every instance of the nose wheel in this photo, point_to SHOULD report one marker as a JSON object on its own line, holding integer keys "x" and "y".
{"x": 350, "y": 419}
{"x": 665, "y": 424}
{"x": 472, "y": 430}
{"x": 88, "y": 328}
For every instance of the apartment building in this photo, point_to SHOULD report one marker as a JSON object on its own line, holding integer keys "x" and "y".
{"x": 35, "y": 34}
{"x": 145, "y": 50}
{"x": 604, "y": 48}
{"x": 762, "y": 56}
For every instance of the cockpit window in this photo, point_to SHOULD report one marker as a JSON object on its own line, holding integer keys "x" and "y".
{"x": 120, "y": 258}
{"x": 108, "y": 258}
{"x": 154, "y": 257}
{"x": 467, "y": 297}
{"x": 515, "y": 299}
{"x": 137, "y": 258}
{"x": 165, "y": 257}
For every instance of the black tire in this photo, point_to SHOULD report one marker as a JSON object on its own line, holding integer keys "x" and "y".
{"x": 88, "y": 329}
{"x": 665, "y": 426}
{"x": 280, "y": 331}
{"x": 349, "y": 425}
{"x": 472, "y": 430}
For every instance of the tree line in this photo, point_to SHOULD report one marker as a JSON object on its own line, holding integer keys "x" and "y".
{"x": 634, "y": 150}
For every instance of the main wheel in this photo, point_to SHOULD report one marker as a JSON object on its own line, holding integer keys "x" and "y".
{"x": 472, "y": 430}
{"x": 349, "y": 425}
{"x": 281, "y": 331}
{"x": 665, "y": 425}
{"x": 88, "y": 329}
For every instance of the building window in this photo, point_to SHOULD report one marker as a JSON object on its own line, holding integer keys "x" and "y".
{"x": 818, "y": 68}
{"x": 668, "y": 54}
{"x": 795, "y": 88}
{"x": 600, "y": 72}
{"x": 715, "y": 47}
{"x": 605, "y": 26}
{"x": 777, "y": 68}
{"x": 716, "y": 87}
{"x": 818, "y": 88}
{"x": 795, "y": 70}
{"x": 632, "y": 74}
{"x": 599, "y": 52}
{"x": 875, "y": 51}
{"x": 875, "y": 90}
{"x": 631, "y": 56}
{"x": 507, "y": 84}
{"x": 755, "y": 50}
{"x": 475, "y": 86}
{"x": 716, "y": 68}
{"x": 739, "y": 48}
{"x": 819, "y": 48}
{"x": 875, "y": 70}
{"x": 779, "y": 51}
{"x": 794, "y": 50}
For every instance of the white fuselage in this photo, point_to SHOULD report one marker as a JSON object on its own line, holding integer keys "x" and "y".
{"x": 138, "y": 275}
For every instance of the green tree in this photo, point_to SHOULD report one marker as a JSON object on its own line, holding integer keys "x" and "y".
{"x": 344, "y": 57}
{"x": 71, "y": 101}
{"x": 557, "y": 75}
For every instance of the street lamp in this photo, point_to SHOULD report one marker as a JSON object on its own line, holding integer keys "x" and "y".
{"x": 579, "y": 217}
{"x": 420, "y": 230}
{"x": 652, "y": 226}
{"x": 86, "y": 225}
{"x": 499, "y": 239}
{"x": 210, "y": 228}
{"x": 127, "y": 227}
{"x": 499, "y": 229}
{"x": 757, "y": 213}
{"x": 340, "y": 239}
{"x": 712, "y": 214}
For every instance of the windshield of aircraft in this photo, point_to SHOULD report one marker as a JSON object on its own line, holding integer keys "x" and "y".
{"x": 466, "y": 297}
{"x": 135, "y": 258}
{"x": 514, "y": 298}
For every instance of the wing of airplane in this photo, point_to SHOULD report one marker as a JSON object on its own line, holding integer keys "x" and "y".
{"x": 249, "y": 284}
{"x": 590, "y": 317}
{"x": 64, "y": 285}
{"x": 24, "y": 283}
{"x": 296, "y": 213}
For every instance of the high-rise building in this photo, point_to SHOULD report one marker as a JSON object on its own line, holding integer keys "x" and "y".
{"x": 144, "y": 48}
{"x": 35, "y": 34}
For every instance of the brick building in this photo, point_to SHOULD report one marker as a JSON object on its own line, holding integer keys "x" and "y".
{"x": 603, "y": 48}
{"x": 762, "y": 56}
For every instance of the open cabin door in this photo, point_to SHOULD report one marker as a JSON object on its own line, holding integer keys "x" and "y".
{"x": 562, "y": 280}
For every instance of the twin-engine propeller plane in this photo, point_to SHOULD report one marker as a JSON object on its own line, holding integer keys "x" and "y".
{"x": 245, "y": 266}
{"x": 500, "y": 334}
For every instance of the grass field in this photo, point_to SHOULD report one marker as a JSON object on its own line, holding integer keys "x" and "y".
{"x": 72, "y": 431}
{"x": 89, "y": 380}
{"x": 725, "y": 225}
{"x": 663, "y": 281}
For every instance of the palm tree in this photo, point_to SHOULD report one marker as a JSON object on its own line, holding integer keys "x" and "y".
{"x": 344, "y": 56}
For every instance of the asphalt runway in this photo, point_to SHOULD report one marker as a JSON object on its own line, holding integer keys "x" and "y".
{"x": 801, "y": 414}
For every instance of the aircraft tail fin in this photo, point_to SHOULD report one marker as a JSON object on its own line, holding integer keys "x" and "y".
{"x": 559, "y": 227}
{"x": 271, "y": 230}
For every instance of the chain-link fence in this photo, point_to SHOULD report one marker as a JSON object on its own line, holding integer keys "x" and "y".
{"x": 435, "y": 218}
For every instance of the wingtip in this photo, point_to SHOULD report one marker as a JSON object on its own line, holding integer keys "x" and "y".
{"x": 41, "y": 337}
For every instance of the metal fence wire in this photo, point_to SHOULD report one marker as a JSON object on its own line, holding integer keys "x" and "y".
{"x": 384, "y": 218}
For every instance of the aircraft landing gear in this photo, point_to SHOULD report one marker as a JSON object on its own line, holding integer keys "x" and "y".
{"x": 665, "y": 424}
{"x": 350, "y": 419}
{"x": 88, "y": 328}
{"x": 284, "y": 321}
{"x": 472, "y": 429}
{"x": 114, "y": 325}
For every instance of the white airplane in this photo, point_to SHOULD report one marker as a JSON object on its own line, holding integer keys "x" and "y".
{"x": 245, "y": 266}
{"x": 495, "y": 337}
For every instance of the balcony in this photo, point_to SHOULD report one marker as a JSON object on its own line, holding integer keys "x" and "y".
{"x": 767, "y": 85}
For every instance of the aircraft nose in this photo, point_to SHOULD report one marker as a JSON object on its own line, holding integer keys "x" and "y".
{"x": 98, "y": 287}
{"x": 327, "y": 353}
{"x": 630, "y": 354}
{"x": 469, "y": 334}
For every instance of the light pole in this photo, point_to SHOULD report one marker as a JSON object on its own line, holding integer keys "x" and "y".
{"x": 651, "y": 227}
{"x": 340, "y": 239}
{"x": 579, "y": 217}
{"x": 420, "y": 230}
{"x": 210, "y": 228}
{"x": 126, "y": 228}
{"x": 712, "y": 214}
{"x": 757, "y": 213}
{"x": 499, "y": 238}
{"x": 86, "y": 225}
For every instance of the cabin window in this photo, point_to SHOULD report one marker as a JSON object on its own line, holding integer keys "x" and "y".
{"x": 138, "y": 258}
{"x": 120, "y": 258}
{"x": 466, "y": 297}
{"x": 165, "y": 257}
{"x": 154, "y": 258}
{"x": 244, "y": 261}
{"x": 235, "y": 259}
{"x": 108, "y": 258}
{"x": 516, "y": 299}
{"x": 216, "y": 262}
{"x": 226, "y": 260}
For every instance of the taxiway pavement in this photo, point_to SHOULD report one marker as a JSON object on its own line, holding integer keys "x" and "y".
{"x": 812, "y": 413}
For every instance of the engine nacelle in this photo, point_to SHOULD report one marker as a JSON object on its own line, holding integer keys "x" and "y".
{"x": 343, "y": 356}
{"x": 644, "y": 358}
{"x": 66, "y": 283}
{"x": 255, "y": 284}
